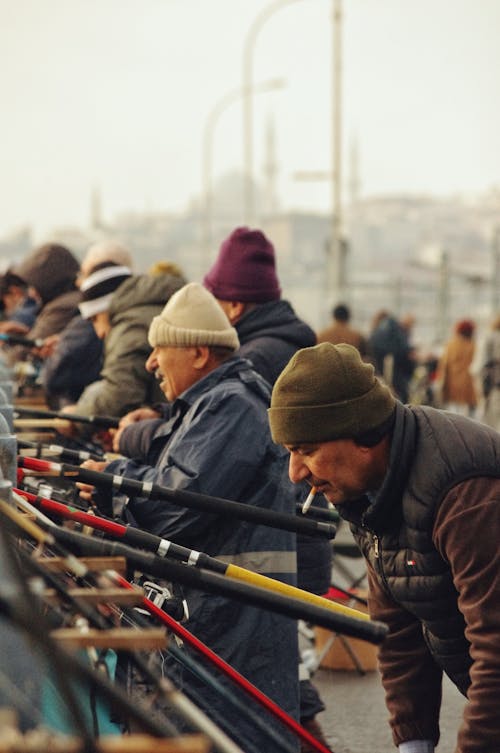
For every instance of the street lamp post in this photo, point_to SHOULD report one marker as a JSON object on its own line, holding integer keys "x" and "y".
{"x": 336, "y": 276}
{"x": 248, "y": 89}
{"x": 336, "y": 261}
{"x": 207, "y": 151}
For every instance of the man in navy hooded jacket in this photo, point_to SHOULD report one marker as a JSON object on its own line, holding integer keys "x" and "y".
{"x": 216, "y": 440}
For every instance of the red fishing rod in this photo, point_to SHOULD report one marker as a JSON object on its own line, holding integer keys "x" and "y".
{"x": 209, "y": 504}
{"x": 276, "y": 711}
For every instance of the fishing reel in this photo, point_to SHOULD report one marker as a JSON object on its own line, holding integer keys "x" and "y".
{"x": 163, "y": 598}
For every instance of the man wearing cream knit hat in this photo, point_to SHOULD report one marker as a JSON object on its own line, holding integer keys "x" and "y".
{"x": 215, "y": 439}
{"x": 421, "y": 489}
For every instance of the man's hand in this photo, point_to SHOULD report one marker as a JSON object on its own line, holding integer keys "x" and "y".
{"x": 139, "y": 414}
{"x": 48, "y": 347}
{"x": 87, "y": 489}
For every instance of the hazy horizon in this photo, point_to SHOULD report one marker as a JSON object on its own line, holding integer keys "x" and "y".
{"x": 115, "y": 95}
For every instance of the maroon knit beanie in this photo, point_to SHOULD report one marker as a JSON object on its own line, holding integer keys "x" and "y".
{"x": 245, "y": 269}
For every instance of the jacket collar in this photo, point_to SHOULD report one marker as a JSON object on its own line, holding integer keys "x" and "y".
{"x": 234, "y": 368}
{"x": 374, "y": 511}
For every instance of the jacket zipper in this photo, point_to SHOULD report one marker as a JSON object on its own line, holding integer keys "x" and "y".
{"x": 378, "y": 559}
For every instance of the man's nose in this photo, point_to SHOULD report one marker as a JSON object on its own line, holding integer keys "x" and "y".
{"x": 297, "y": 469}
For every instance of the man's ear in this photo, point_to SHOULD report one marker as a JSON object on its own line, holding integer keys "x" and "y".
{"x": 234, "y": 310}
{"x": 201, "y": 356}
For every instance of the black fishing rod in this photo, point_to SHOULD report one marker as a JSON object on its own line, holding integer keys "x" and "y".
{"x": 205, "y": 580}
{"x": 44, "y": 450}
{"x": 101, "y": 422}
{"x": 12, "y": 339}
{"x": 205, "y": 502}
{"x": 54, "y": 450}
{"x": 161, "y": 547}
{"x": 42, "y": 533}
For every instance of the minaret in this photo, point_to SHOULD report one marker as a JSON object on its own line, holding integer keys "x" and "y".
{"x": 95, "y": 209}
{"x": 270, "y": 170}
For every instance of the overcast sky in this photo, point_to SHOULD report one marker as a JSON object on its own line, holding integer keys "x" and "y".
{"x": 115, "y": 94}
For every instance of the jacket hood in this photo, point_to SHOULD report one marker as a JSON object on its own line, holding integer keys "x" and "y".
{"x": 50, "y": 269}
{"x": 275, "y": 319}
{"x": 143, "y": 290}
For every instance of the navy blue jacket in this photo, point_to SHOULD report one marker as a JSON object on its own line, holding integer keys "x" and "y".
{"x": 270, "y": 334}
{"x": 217, "y": 441}
{"x": 75, "y": 363}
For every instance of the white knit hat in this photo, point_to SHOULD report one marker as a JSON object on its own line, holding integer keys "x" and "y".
{"x": 98, "y": 289}
{"x": 192, "y": 316}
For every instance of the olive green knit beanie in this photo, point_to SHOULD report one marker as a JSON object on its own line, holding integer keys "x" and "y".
{"x": 327, "y": 392}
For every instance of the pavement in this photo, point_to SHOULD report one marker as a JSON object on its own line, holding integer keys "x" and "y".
{"x": 355, "y": 719}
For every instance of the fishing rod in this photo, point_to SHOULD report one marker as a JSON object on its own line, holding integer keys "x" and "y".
{"x": 213, "y": 658}
{"x": 229, "y": 671}
{"x": 205, "y": 580}
{"x": 12, "y": 339}
{"x": 240, "y": 706}
{"x": 188, "y": 710}
{"x": 65, "y": 660}
{"x": 161, "y": 547}
{"x": 51, "y": 450}
{"x": 205, "y": 502}
{"x": 101, "y": 422}
{"x": 43, "y": 450}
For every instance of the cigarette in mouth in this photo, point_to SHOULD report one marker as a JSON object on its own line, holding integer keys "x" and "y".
{"x": 309, "y": 499}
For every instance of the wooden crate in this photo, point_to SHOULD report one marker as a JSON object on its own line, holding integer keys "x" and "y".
{"x": 346, "y": 653}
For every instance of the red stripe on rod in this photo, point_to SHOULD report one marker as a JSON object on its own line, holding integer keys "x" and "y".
{"x": 85, "y": 518}
{"x": 36, "y": 464}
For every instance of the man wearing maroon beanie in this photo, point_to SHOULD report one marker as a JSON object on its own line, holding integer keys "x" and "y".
{"x": 244, "y": 280}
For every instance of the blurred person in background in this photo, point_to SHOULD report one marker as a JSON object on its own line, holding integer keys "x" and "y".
{"x": 50, "y": 272}
{"x": 18, "y": 308}
{"x": 62, "y": 375}
{"x": 341, "y": 331}
{"x": 486, "y": 367}
{"x": 391, "y": 353}
{"x": 120, "y": 306}
{"x": 454, "y": 377}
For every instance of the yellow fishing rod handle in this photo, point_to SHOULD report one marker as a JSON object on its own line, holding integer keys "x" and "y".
{"x": 255, "y": 579}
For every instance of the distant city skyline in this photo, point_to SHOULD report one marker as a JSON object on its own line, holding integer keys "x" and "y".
{"x": 114, "y": 95}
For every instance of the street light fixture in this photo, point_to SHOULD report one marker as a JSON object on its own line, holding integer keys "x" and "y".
{"x": 248, "y": 89}
{"x": 335, "y": 270}
{"x": 208, "y": 141}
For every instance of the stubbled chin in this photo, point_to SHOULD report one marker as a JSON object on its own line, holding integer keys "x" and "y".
{"x": 334, "y": 497}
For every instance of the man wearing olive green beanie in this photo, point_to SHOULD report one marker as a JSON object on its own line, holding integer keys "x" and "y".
{"x": 420, "y": 488}
{"x": 326, "y": 392}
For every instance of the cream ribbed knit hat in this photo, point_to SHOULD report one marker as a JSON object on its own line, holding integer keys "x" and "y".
{"x": 192, "y": 316}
